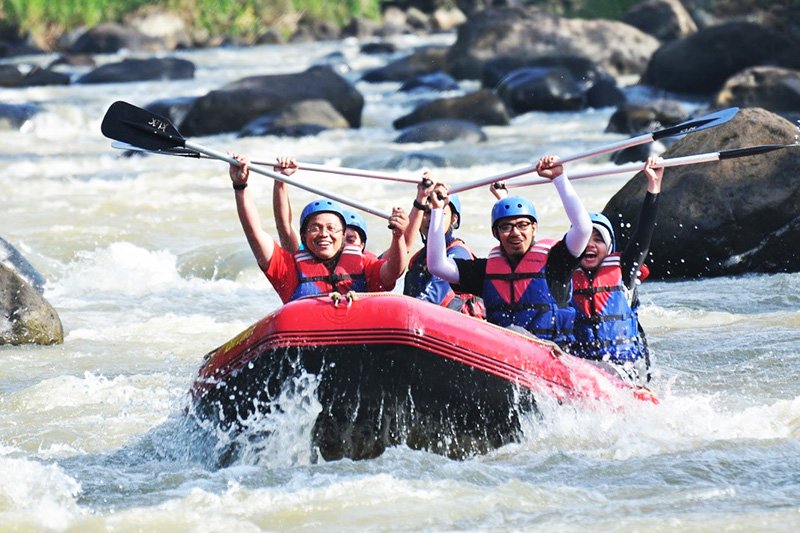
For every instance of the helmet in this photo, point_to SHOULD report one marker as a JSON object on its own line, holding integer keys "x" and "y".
{"x": 355, "y": 220}
{"x": 322, "y": 205}
{"x": 455, "y": 207}
{"x": 513, "y": 206}
{"x": 601, "y": 222}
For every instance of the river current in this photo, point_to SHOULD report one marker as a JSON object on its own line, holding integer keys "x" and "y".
{"x": 148, "y": 269}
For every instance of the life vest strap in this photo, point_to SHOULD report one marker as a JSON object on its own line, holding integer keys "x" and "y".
{"x": 588, "y": 291}
{"x": 514, "y": 276}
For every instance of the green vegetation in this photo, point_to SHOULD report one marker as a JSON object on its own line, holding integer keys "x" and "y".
{"x": 245, "y": 19}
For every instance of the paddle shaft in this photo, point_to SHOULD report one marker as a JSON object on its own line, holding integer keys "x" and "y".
{"x": 301, "y": 166}
{"x": 666, "y": 163}
{"x": 621, "y": 169}
{"x": 285, "y": 179}
{"x": 701, "y": 123}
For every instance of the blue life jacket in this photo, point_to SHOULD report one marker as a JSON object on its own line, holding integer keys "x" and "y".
{"x": 314, "y": 278}
{"x": 606, "y": 326}
{"x": 521, "y": 297}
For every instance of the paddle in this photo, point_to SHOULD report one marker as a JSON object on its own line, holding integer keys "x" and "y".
{"x": 301, "y": 166}
{"x": 706, "y": 121}
{"x": 671, "y": 162}
{"x": 136, "y": 126}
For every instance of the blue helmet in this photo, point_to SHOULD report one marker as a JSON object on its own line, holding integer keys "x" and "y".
{"x": 323, "y": 205}
{"x": 513, "y": 206}
{"x": 455, "y": 207}
{"x": 601, "y": 223}
{"x": 354, "y": 219}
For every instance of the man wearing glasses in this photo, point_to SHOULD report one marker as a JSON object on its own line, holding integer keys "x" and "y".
{"x": 326, "y": 264}
{"x": 524, "y": 283}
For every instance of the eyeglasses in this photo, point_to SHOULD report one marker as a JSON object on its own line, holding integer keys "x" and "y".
{"x": 315, "y": 229}
{"x": 522, "y": 226}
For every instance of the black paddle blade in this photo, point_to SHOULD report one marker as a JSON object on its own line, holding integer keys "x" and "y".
{"x": 700, "y": 123}
{"x": 753, "y": 150}
{"x": 139, "y": 127}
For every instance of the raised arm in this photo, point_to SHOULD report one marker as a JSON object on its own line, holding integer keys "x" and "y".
{"x": 397, "y": 254}
{"x": 424, "y": 188}
{"x": 581, "y": 230}
{"x": 282, "y": 208}
{"x": 260, "y": 242}
{"x": 635, "y": 254}
{"x": 438, "y": 263}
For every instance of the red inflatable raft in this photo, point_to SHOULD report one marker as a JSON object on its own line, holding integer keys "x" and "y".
{"x": 394, "y": 370}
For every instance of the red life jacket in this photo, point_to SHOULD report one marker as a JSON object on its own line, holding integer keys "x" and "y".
{"x": 314, "y": 278}
{"x": 521, "y": 296}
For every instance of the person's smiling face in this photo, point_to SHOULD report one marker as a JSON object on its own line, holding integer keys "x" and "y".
{"x": 596, "y": 252}
{"x": 515, "y": 234}
{"x": 324, "y": 235}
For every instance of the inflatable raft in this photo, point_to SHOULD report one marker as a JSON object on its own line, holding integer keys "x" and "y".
{"x": 394, "y": 370}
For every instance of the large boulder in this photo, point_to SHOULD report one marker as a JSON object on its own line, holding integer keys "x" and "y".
{"x": 110, "y": 38}
{"x": 702, "y": 62}
{"x": 774, "y": 88}
{"x": 300, "y": 119}
{"x": 234, "y": 105}
{"x": 443, "y": 130}
{"x": 665, "y": 20}
{"x": 129, "y": 70}
{"x": 25, "y": 316}
{"x": 13, "y": 116}
{"x": 619, "y": 48}
{"x": 482, "y": 107}
{"x": 424, "y": 61}
{"x": 729, "y": 217}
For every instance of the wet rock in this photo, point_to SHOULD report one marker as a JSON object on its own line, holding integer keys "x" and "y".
{"x": 234, "y": 105}
{"x": 25, "y": 316}
{"x": 483, "y": 108}
{"x": 442, "y": 130}
{"x": 129, "y": 70}
{"x": 666, "y": 20}
{"x": 541, "y": 89}
{"x": 435, "y": 81}
{"x": 14, "y": 260}
{"x": 110, "y": 38}
{"x": 424, "y": 61}
{"x": 13, "y": 116}
{"x": 773, "y": 88}
{"x": 530, "y": 33}
{"x": 301, "y": 119}
{"x": 702, "y": 62}
{"x": 728, "y": 217}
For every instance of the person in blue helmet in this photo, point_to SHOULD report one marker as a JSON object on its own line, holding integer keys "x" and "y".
{"x": 355, "y": 230}
{"x": 326, "y": 264}
{"x": 525, "y": 283}
{"x": 419, "y": 282}
{"x": 607, "y": 328}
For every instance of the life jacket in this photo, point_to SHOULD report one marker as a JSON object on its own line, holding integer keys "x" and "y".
{"x": 418, "y": 277}
{"x": 314, "y": 278}
{"x": 521, "y": 297}
{"x": 606, "y": 320}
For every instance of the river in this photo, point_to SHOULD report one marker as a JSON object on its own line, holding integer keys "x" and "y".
{"x": 148, "y": 269}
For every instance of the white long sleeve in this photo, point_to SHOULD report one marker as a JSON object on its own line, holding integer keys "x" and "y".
{"x": 438, "y": 263}
{"x": 578, "y": 235}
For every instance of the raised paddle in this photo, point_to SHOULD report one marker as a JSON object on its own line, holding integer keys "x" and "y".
{"x": 701, "y": 123}
{"x": 301, "y": 166}
{"x": 136, "y": 126}
{"x": 671, "y": 162}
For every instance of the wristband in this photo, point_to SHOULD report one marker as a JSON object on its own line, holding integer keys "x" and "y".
{"x": 421, "y": 207}
{"x": 239, "y": 186}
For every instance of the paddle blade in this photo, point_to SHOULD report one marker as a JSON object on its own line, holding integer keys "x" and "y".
{"x": 697, "y": 124}
{"x": 753, "y": 150}
{"x": 139, "y": 127}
